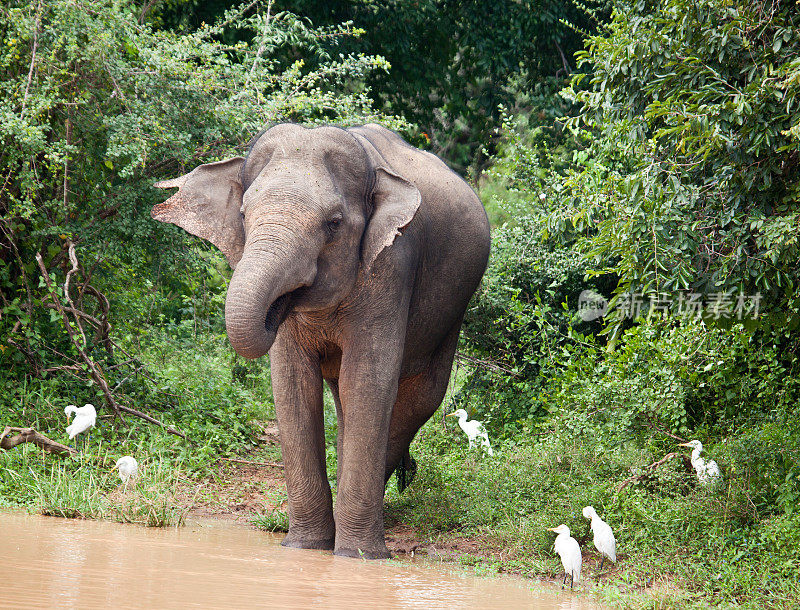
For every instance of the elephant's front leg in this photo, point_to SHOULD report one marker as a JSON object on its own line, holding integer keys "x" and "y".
{"x": 297, "y": 388}
{"x": 367, "y": 389}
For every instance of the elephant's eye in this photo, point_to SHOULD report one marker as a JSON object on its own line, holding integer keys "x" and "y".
{"x": 334, "y": 222}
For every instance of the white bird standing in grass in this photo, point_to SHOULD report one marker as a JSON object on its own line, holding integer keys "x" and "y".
{"x": 708, "y": 471}
{"x": 567, "y": 548}
{"x": 85, "y": 418}
{"x": 473, "y": 429}
{"x": 128, "y": 467}
{"x": 604, "y": 540}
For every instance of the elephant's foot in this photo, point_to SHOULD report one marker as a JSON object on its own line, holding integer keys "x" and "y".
{"x": 363, "y": 545}
{"x": 300, "y": 538}
{"x": 359, "y": 554}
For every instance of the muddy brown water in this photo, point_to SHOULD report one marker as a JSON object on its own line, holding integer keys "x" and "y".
{"x": 62, "y": 563}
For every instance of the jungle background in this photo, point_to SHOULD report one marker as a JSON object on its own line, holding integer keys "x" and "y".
{"x": 642, "y": 150}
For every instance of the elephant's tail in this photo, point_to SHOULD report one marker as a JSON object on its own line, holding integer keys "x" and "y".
{"x": 405, "y": 471}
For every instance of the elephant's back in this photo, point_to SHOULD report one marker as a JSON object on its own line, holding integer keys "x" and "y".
{"x": 452, "y": 230}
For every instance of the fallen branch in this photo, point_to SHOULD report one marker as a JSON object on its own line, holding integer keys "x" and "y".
{"x": 152, "y": 420}
{"x": 647, "y": 470}
{"x": 29, "y": 435}
{"x": 274, "y": 464}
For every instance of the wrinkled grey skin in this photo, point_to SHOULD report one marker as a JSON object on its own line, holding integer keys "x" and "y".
{"x": 354, "y": 257}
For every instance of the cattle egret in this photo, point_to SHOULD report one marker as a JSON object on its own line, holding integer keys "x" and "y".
{"x": 128, "y": 466}
{"x": 708, "y": 471}
{"x": 85, "y": 418}
{"x": 604, "y": 540}
{"x": 567, "y": 548}
{"x": 473, "y": 429}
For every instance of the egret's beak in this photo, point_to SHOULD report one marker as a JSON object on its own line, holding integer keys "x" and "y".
{"x": 551, "y": 529}
{"x": 450, "y": 415}
{"x": 114, "y": 467}
{"x": 684, "y": 444}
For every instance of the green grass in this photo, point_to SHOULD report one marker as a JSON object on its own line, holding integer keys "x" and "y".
{"x": 678, "y": 544}
{"x": 197, "y": 386}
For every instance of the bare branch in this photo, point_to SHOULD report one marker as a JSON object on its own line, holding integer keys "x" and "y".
{"x": 261, "y": 47}
{"x": 94, "y": 369}
{"x": 29, "y": 435}
{"x": 565, "y": 63}
{"x": 647, "y": 470}
{"x": 74, "y": 260}
{"x": 486, "y": 364}
{"x": 33, "y": 57}
{"x": 146, "y": 8}
{"x": 152, "y": 420}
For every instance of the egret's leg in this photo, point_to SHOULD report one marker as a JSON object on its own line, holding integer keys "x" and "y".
{"x": 571, "y": 580}
{"x": 564, "y": 583}
{"x": 602, "y": 563}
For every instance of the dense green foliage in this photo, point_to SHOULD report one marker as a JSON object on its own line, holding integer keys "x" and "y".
{"x": 695, "y": 112}
{"x": 94, "y": 106}
{"x": 453, "y": 63}
{"x": 677, "y": 178}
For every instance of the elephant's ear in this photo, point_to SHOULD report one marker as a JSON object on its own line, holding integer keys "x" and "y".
{"x": 208, "y": 204}
{"x": 395, "y": 201}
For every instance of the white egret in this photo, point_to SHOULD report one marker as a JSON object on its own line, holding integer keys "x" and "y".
{"x": 473, "y": 429}
{"x": 604, "y": 540}
{"x": 85, "y": 418}
{"x": 708, "y": 471}
{"x": 567, "y": 548}
{"x": 128, "y": 467}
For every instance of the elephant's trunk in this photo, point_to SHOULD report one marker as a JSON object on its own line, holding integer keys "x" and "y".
{"x": 259, "y": 295}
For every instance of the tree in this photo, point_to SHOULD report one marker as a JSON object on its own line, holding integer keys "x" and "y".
{"x": 95, "y": 105}
{"x": 693, "y": 181}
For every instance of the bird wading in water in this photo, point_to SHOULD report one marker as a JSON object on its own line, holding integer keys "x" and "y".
{"x": 708, "y": 472}
{"x": 473, "y": 429}
{"x": 604, "y": 540}
{"x": 567, "y": 548}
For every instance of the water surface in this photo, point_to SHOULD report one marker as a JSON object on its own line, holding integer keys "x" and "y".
{"x": 63, "y": 563}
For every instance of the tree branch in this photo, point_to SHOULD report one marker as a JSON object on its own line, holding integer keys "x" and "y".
{"x": 261, "y": 47}
{"x": 29, "y": 435}
{"x": 94, "y": 370}
{"x": 33, "y": 57}
{"x": 273, "y": 464}
{"x": 152, "y": 420}
{"x": 647, "y": 470}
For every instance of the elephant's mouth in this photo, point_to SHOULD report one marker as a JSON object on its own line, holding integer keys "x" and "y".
{"x": 277, "y": 313}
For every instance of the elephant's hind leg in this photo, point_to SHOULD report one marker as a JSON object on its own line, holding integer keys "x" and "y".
{"x": 418, "y": 397}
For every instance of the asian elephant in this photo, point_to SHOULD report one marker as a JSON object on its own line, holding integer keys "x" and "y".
{"x": 354, "y": 255}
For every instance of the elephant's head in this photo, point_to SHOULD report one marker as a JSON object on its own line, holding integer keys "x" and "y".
{"x": 298, "y": 220}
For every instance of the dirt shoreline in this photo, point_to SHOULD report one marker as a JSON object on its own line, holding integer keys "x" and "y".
{"x": 241, "y": 492}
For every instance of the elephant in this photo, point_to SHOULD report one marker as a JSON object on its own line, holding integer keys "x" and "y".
{"x": 354, "y": 258}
